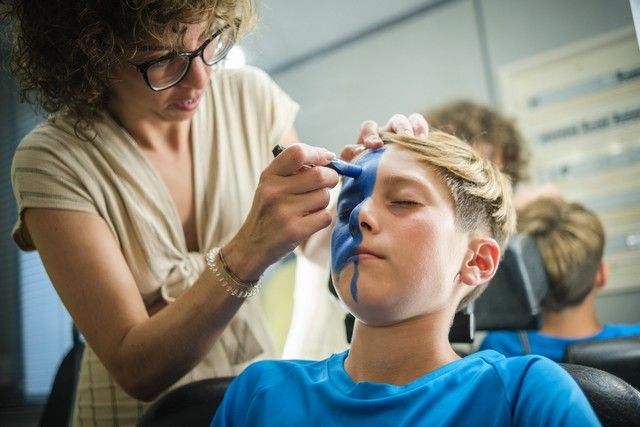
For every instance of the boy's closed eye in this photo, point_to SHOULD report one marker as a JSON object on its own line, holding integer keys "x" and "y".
{"x": 406, "y": 203}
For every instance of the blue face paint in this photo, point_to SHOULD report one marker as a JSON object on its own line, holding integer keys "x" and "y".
{"x": 347, "y": 235}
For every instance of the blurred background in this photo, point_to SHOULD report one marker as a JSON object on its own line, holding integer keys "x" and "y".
{"x": 568, "y": 72}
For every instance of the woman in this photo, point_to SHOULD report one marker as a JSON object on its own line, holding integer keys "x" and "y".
{"x": 149, "y": 161}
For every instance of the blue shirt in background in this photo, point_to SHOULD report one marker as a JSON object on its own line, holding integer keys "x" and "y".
{"x": 482, "y": 389}
{"x": 510, "y": 343}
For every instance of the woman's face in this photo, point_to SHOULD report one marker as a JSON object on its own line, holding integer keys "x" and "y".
{"x": 396, "y": 249}
{"x": 131, "y": 97}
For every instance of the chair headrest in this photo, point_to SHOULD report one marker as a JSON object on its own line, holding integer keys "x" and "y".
{"x": 615, "y": 402}
{"x": 619, "y": 356}
{"x": 512, "y": 299}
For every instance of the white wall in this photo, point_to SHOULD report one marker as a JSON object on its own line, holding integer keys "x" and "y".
{"x": 405, "y": 68}
{"x": 452, "y": 51}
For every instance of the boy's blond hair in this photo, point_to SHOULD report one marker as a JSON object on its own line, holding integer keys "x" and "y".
{"x": 480, "y": 192}
{"x": 570, "y": 239}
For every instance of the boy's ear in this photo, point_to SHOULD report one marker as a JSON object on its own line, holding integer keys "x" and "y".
{"x": 602, "y": 275}
{"x": 480, "y": 262}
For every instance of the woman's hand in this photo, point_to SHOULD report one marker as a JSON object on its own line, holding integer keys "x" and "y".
{"x": 288, "y": 207}
{"x": 369, "y": 136}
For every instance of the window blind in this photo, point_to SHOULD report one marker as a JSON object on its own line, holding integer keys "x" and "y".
{"x": 35, "y": 329}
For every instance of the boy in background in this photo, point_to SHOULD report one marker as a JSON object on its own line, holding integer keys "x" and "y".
{"x": 570, "y": 239}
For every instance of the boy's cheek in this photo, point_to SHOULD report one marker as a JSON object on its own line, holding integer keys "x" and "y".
{"x": 340, "y": 246}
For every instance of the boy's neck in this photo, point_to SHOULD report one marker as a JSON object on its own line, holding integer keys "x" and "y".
{"x": 573, "y": 322}
{"x": 400, "y": 353}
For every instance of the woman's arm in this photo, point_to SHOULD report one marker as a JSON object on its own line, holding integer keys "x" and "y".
{"x": 144, "y": 354}
{"x": 147, "y": 354}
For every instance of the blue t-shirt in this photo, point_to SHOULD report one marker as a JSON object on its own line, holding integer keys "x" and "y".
{"x": 482, "y": 389}
{"x": 510, "y": 343}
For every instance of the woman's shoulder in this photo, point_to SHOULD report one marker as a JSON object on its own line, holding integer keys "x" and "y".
{"x": 245, "y": 74}
{"x": 58, "y": 132}
{"x": 247, "y": 80}
{"x": 49, "y": 139}
{"x": 61, "y": 144}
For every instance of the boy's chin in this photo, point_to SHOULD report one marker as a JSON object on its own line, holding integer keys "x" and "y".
{"x": 376, "y": 318}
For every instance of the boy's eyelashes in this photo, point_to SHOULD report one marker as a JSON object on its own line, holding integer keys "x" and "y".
{"x": 345, "y": 212}
{"x": 405, "y": 203}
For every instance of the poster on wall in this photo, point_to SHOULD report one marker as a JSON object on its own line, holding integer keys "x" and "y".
{"x": 579, "y": 108}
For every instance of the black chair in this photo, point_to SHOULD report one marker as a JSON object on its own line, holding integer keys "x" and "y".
{"x": 615, "y": 402}
{"x": 58, "y": 410}
{"x": 512, "y": 299}
{"x": 618, "y": 356}
{"x": 190, "y": 405}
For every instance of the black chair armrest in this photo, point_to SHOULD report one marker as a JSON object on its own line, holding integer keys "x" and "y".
{"x": 618, "y": 356}
{"x": 615, "y": 402}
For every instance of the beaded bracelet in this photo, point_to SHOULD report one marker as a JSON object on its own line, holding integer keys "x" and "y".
{"x": 228, "y": 280}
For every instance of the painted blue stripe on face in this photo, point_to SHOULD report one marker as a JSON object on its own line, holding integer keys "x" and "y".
{"x": 347, "y": 235}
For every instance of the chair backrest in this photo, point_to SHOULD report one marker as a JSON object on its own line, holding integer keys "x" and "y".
{"x": 58, "y": 411}
{"x": 615, "y": 402}
{"x": 191, "y": 405}
{"x": 618, "y": 356}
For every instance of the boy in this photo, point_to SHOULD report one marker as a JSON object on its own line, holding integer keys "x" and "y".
{"x": 570, "y": 239}
{"x": 418, "y": 235}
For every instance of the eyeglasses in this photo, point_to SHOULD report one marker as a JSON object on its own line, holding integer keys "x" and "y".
{"x": 169, "y": 70}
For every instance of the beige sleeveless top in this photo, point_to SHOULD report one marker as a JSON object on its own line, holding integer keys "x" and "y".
{"x": 242, "y": 116}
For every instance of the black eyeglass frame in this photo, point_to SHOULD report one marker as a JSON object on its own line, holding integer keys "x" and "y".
{"x": 144, "y": 67}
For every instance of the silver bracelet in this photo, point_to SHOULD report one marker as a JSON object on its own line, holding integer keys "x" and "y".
{"x": 228, "y": 280}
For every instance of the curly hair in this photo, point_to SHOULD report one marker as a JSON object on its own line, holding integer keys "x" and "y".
{"x": 481, "y": 193}
{"x": 64, "y": 50}
{"x": 476, "y": 124}
{"x": 570, "y": 239}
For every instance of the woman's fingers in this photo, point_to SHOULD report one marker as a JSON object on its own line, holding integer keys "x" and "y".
{"x": 399, "y": 124}
{"x": 414, "y": 125}
{"x": 349, "y": 152}
{"x": 298, "y": 156}
{"x": 419, "y": 125}
{"x": 289, "y": 205}
{"x": 310, "y": 179}
{"x": 369, "y": 136}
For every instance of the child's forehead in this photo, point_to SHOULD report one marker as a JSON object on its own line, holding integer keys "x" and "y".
{"x": 391, "y": 165}
{"x": 393, "y": 159}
